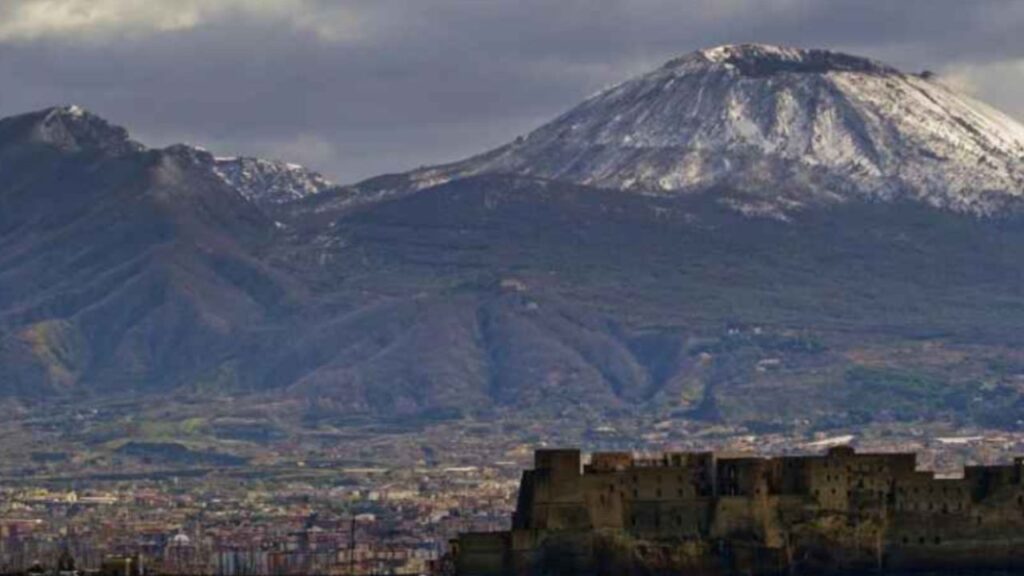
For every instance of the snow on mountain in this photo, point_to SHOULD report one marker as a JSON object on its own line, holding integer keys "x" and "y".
{"x": 269, "y": 181}
{"x": 779, "y": 128}
{"x": 72, "y": 128}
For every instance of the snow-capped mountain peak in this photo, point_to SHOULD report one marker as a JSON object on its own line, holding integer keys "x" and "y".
{"x": 75, "y": 128}
{"x": 777, "y": 127}
{"x": 269, "y": 181}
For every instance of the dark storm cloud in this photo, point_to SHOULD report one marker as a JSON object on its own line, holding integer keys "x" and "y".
{"x": 358, "y": 88}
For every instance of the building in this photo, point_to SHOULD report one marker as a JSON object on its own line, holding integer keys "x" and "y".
{"x": 703, "y": 513}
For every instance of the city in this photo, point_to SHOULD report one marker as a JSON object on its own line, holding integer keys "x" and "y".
{"x": 335, "y": 511}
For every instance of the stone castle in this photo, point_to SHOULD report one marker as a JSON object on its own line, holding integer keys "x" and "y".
{"x": 705, "y": 513}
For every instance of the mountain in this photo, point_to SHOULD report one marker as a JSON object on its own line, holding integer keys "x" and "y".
{"x": 821, "y": 126}
{"x": 749, "y": 235}
{"x": 121, "y": 268}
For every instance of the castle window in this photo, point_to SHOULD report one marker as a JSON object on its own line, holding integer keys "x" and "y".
{"x": 938, "y": 540}
{"x": 920, "y": 540}
{"x": 636, "y": 493}
{"x": 906, "y": 540}
{"x": 680, "y": 492}
{"x": 658, "y": 493}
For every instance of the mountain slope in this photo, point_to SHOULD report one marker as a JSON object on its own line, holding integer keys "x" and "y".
{"x": 537, "y": 296}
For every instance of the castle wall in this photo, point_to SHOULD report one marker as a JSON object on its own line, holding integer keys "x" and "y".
{"x": 840, "y": 511}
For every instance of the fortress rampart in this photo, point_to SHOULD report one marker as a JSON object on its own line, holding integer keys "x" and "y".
{"x": 705, "y": 513}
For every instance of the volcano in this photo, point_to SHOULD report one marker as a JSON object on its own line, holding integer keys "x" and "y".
{"x": 821, "y": 126}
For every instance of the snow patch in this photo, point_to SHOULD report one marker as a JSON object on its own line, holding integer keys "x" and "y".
{"x": 269, "y": 181}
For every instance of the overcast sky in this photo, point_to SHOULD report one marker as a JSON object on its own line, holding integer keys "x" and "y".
{"x": 355, "y": 88}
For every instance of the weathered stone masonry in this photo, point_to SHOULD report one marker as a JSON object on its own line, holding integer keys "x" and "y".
{"x": 702, "y": 513}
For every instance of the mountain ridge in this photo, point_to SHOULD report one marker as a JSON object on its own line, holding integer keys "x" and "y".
{"x": 72, "y": 128}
